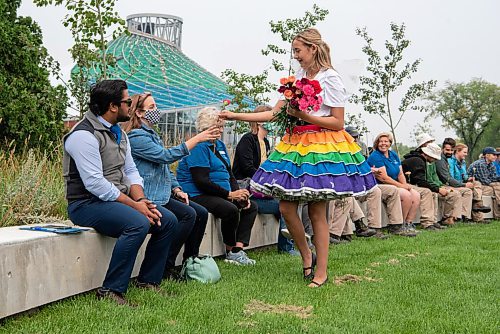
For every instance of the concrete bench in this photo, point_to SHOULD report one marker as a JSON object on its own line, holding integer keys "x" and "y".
{"x": 37, "y": 268}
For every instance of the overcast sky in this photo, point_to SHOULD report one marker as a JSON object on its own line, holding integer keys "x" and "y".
{"x": 456, "y": 40}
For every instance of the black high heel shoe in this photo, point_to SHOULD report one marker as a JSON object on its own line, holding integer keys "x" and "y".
{"x": 319, "y": 285}
{"x": 310, "y": 276}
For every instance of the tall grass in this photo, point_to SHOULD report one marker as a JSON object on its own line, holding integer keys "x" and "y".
{"x": 31, "y": 186}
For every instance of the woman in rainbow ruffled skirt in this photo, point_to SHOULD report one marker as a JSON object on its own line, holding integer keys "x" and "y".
{"x": 316, "y": 160}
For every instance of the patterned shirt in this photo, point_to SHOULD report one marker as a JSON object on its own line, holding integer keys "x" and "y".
{"x": 483, "y": 172}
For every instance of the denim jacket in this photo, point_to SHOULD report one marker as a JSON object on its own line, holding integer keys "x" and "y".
{"x": 458, "y": 169}
{"x": 152, "y": 160}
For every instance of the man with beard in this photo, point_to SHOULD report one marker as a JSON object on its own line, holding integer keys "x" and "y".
{"x": 470, "y": 198}
{"x": 105, "y": 191}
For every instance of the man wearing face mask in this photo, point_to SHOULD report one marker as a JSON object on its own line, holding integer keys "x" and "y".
{"x": 105, "y": 191}
{"x": 469, "y": 199}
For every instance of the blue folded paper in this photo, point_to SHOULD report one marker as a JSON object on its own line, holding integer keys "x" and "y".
{"x": 59, "y": 229}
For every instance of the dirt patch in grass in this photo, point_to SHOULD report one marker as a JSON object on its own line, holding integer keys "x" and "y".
{"x": 247, "y": 323}
{"x": 393, "y": 261}
{"x": 410, "y": 255}
{"x": 374, "y": 264}
{"x": 257, "y": 306}
{"x": 339, "y": 280}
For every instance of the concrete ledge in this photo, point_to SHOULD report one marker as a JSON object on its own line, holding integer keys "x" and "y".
{"x": 37, "y": 268}
{"x": 488, "y": 201}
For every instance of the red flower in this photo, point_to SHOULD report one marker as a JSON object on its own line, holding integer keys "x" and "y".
{"x": 316, "y": 86}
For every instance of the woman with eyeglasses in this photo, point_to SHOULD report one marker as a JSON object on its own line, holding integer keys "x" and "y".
{"x": 160, "y": 184}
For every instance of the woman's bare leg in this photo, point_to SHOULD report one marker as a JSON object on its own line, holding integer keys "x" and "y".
{"x": 317, "y": 213}
{"x": 288, "y": 210}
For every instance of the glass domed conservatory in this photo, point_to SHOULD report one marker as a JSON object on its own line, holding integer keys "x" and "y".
{"x": 150, "y": 59}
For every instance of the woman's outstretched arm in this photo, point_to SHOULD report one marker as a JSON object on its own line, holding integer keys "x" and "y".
{"x": 265, "y": 116}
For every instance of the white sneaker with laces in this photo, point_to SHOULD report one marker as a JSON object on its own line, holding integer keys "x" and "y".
{"x": 239, "y": 258}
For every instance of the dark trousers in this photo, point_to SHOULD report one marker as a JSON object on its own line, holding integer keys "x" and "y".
{"x": 272, "y": 206}
{"x": 192, "y": 220}
{"x": 236, "y": 224}
{"x": 130, "y": 227}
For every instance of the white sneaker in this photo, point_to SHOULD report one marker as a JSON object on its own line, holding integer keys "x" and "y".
{"x": 239, "y": 258}
{"x": 286, "y": 234}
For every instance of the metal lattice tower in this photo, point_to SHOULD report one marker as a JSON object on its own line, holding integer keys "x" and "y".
{"x": 165, "y": 27}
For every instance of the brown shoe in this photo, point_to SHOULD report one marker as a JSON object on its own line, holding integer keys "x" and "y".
{"x": 448, "y": 221}
{"x": 116, "y": 297}
{"x": 380, "y": 235}
{"x": 479, "y": 207}
{"x": 148, "y": 286}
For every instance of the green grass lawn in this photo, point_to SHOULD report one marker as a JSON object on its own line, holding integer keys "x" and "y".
{"x": 439, "y": 282}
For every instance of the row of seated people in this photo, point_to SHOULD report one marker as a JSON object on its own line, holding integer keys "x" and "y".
{"x": 426, "y": 174}
{"x": 122, "y": 186}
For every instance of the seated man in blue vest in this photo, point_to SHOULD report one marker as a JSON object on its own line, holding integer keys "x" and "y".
{"x": 104, "y": 191}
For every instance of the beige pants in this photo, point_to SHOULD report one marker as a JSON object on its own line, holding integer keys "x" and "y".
{"x": 477, "y": 195}
{"x": 493, "y": 190}
{"x": 387, "y": 195}
{"x": 452, "y": 203}
{"x": 465, "y": 200}
{"x": 427, "y": 215}
{"x": 339, "y": 212}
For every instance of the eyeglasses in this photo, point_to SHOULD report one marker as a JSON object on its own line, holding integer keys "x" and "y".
{"x": 127, "y": 101}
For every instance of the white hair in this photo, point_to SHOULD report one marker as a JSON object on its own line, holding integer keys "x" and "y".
{"x": 207, "y": 117}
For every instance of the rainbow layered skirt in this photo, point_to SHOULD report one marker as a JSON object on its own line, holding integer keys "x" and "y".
{"x": 314, "y": 164}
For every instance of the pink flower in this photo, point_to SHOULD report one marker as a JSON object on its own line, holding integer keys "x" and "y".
{"x": 308, "y": 90}
{"x": 320, "y": 100}
{"x": 298, "y": 84}
{"x": 226, "y": 102}
{"x": 316, "y": 107}
{"x": 303, "y": 104}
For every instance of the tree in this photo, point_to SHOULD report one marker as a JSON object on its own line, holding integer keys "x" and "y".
{"x": 89, "y": 22}
{"x": 246, "y": 89}
{"x": 419, "y": 130}
{"x": 253, "y": 88}
{"x": 287, "y": 30}
{"x": 31, "y": 109}
{"x": 471, "y": 110}
{"x": 387, "y": 77}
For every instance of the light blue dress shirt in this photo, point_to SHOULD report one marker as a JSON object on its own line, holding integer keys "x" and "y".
{"x": 83, "y": 147}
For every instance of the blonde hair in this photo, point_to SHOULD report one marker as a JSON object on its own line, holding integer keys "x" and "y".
{"x": 137, "y": 104}
{"x": 460, "y": 147}
{"x": 254, "y": 126}
{"x": 207, "y": 117}
{"x": 379, "y": 136}
{"x": 312, "y": 37}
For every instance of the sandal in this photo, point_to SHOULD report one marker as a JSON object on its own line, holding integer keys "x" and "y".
{"x": 310, "y": 276}
{"x": 318, "y": 285}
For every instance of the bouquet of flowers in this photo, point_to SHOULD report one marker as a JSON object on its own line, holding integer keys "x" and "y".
{"x": 299, "y": 94}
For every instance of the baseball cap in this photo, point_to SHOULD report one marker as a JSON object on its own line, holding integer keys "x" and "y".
{"x": 490, "y": 150}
